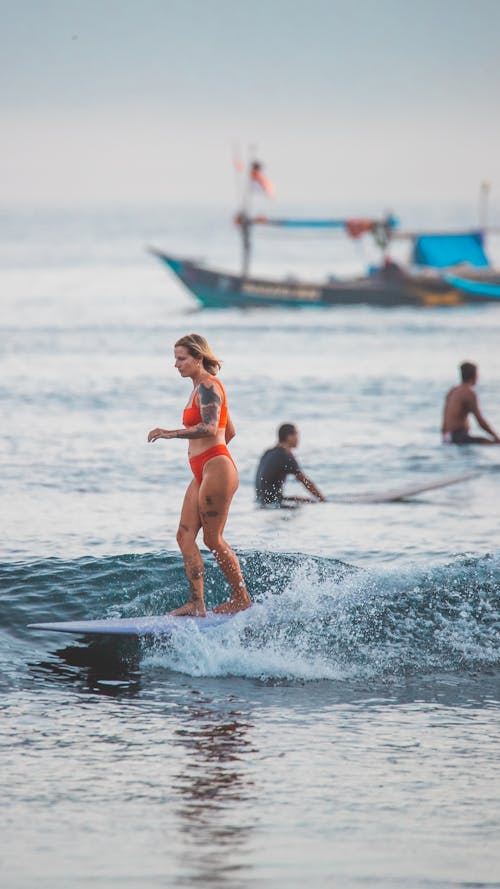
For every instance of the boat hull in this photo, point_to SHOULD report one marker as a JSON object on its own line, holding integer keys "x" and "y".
{"x": 386, "y": 287}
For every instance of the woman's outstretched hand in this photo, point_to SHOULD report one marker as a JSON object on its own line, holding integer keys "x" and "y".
{"x": 160, "y": 433}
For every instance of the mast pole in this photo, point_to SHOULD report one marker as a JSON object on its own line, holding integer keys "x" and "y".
{"x": 241, "y": 219}
{"x": 245, "y": 221}
{"x": 484, "y": 197}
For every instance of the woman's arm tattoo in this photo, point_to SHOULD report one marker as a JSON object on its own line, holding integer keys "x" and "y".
{"x": 208, "y": 395}
{"x": 210, "y": 405}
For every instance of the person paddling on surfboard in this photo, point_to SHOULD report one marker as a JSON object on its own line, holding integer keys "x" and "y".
{"x": 208, "y": 428}
{"x": 274, "y": 466}
{"x": 459, "y": 403}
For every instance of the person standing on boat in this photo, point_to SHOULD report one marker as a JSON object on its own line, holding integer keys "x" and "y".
{"x": 274, "y": 466}
{"x": 208, "y": 428}
{"x": 461, "y": 401}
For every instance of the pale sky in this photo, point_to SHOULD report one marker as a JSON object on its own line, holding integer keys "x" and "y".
{"x": 119, "y": 101}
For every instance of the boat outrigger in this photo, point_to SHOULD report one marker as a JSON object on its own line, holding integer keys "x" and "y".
{"x": 447, "y": 269}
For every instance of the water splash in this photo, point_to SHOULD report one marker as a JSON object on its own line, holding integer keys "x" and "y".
{"x": 328, "y": 623}
{"x": 313, "y": 618}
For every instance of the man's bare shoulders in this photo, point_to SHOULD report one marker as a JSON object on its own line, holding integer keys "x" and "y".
{"x": 462, "y": 395}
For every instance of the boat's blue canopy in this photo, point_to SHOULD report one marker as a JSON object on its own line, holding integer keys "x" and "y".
{"x": 442, "y": 251}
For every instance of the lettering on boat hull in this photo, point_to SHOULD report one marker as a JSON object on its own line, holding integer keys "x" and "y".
{"x": 281, "y": 291}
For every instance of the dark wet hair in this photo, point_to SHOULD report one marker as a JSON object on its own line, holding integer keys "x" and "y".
{"x": 468, "y": 371}
{"x": 285, "y": 430}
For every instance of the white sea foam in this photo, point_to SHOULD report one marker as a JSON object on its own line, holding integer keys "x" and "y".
{"x": 366, "y": 624}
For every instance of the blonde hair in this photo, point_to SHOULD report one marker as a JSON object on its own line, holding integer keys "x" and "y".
{"x": 198, "y": 347}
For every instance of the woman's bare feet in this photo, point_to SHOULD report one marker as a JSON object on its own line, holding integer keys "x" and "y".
{"x": 234, "y": 604}
{"x": 193, "y": 608}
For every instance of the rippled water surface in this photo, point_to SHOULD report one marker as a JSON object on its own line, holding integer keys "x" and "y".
{"x": 343, "y": 732}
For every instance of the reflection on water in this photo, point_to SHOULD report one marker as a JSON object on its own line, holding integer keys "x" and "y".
{"x": 223, "y": 782}
{"x": 215, "y": 793}
{"x": 101, "y": 667}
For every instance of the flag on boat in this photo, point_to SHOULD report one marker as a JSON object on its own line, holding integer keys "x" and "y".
{"x": 258, "y": 179}
{"x": 355, "y": 228}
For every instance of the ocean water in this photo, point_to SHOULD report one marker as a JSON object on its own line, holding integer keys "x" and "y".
{"x": 344, "y": 731}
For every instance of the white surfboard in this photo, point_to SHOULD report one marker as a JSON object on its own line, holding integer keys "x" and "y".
{"x": 154, "y": 625}
{"x": 406, "y": 492}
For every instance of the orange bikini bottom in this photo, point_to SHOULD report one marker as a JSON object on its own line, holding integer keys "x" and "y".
{"x": 198, "y": 462}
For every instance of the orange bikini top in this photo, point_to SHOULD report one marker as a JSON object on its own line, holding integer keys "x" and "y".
{"x": 192, "y": 414}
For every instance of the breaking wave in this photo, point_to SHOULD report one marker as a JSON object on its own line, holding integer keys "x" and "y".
{"x": 313, "y": 618}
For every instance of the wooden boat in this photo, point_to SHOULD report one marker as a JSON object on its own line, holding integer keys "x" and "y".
{"x": 388, "y": 286}
{"x": 447, "y": 269}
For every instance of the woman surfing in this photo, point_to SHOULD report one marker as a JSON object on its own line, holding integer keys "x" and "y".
{"x": 208, "y": 428}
